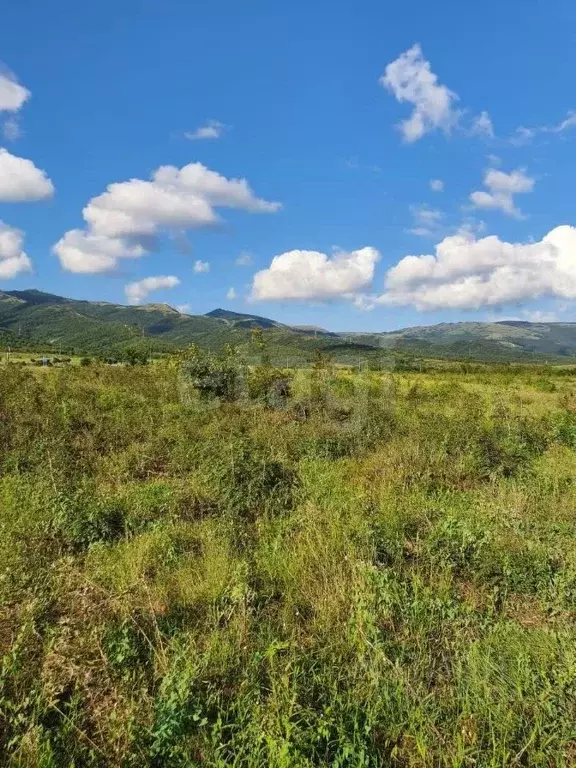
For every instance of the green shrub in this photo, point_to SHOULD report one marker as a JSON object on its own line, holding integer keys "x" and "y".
{"x": 218, "y": 376}
{"x": 270, "y": 386}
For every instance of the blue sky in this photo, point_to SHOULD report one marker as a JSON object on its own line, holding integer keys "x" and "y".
{"x": 305, "y": 111}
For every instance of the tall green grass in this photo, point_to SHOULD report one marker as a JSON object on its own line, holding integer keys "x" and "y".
{"x": 367, "y": 569}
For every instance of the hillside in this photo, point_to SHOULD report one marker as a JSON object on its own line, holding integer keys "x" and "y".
{"x": 507, "y": 339}
{"x": 29, "y": 319}
{"x": 32, "y": 318}
{"x": 241, "y": 320}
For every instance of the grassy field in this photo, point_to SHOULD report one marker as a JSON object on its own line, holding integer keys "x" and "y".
{"x": 374, "y": 569}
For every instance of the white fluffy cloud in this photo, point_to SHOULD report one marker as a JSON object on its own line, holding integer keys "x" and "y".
{"x": 12, "y": 95}
{"x": 81, "y": 251}
{"x": 410, "y": 78}
{"x": 13, "y": 258}
{"x": 136, "y": 292}
{"x": 213, "y": 129}
{"x": 314, "y": 275}
{"x": 201, "y": 266}
{"x": 178, "y": 198}
{"x": 122, "y": 222}
{"x": 436, "y": 185}
{"x": 231, "y": 294}
{"x": 21, "y": 180}
{"x": 470, "y": 273}
{"x": 501, "y": 190}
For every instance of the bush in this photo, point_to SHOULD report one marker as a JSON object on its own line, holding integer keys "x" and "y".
{"x": 217, "y": 376}
{"x": 135, "y": 356}
{"x": 270, "y": 386}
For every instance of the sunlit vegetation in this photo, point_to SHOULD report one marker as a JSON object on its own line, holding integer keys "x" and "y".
{"x": 208, "y": 564}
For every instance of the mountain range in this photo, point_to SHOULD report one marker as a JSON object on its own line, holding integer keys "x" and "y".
{"x": 32, "y": 319}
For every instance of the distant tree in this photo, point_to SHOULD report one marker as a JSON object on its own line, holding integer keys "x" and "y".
{"x": 85, "y": 361}
{"x": 259, "y": 341}
{"x": 321, "y": 361}
{"x": 405, "y": 364}
{"x": 135, "y": 356}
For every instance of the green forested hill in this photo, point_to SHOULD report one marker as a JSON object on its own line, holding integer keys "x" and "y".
{"x": 508, "y": 339}
{"x": 32, "y": 318}
{"x": 29, "y": 319}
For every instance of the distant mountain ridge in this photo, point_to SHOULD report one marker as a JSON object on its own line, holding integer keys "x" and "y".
{"x": 33, "y": 318}
{"x": 241, "y": 320}
{"x": 515, "y": 337}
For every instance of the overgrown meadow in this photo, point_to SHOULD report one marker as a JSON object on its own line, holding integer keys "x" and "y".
{"x": 207, "y": 565}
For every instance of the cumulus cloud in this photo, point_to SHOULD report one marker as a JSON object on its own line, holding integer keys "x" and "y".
{"x": 201, "y": 266}
{"x": 231, "y": 294}
{"x": 436, "y": 185}
{"x": 83, "y": 252}
{"x": 136, "y": 292}
{"x": 315, "y": 275}
{"x": 426, "y": 220}
{"x": 124, "y": 220}
{"x": 410, "y": 79}
{"x": 13, "y": 96}
{"x": 501, "y": 190}
{"x": 175, "y": 198}
{"x": 184, "y": 309}
{"x": 21, "y": 180}
{"x": 213, "y": 129}
{"x": 470, "y": 273}
{"x": 482, "y": 125}
{"x": 13, "y": 258}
